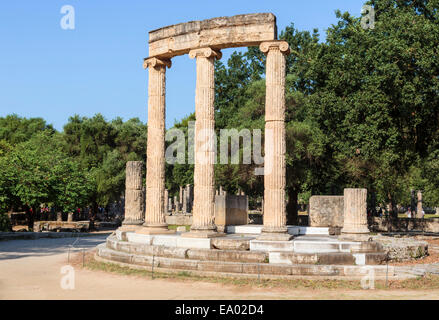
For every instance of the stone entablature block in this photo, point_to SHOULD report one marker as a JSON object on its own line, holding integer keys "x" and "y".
{"x": 218, "y": 33}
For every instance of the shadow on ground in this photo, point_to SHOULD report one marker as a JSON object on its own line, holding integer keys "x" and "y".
{"x": 15, "y": 249}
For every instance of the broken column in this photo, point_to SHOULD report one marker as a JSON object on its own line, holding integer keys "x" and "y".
{"x": 275, "y": 144}
{"x": 355, "y": 212}
{"x": 176, "y": 204}
{"x": 134, "y": 201}
{"x": 419, "y": 209}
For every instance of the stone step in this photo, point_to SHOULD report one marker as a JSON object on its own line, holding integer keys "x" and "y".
{"x": 241, "y": 268}
{"x": 333, "y": 258}
{"x": 293, "y": 230}
{"x": 184, "y": 253}
{"x": 304, "y": 246}
{"x": 232, "y": 243}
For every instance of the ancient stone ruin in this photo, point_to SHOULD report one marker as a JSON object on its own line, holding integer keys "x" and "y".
{"x": 203, "y": 40}
{"x": 144, "y": 240}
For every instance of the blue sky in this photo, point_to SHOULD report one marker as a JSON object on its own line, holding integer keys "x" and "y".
{"x": 52, "y": 73}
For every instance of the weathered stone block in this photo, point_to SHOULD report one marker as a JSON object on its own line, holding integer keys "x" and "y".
{"x": 223, "y": 32}
{"x": 217, "y": 266}
{"x": 326, "y": 211}
{"x": 231, "y": 244}
{"x": 230, "y": 210}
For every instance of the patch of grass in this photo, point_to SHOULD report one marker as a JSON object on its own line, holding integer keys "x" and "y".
{"x": 426, "y": 216}
{"x": 421, "y": 283}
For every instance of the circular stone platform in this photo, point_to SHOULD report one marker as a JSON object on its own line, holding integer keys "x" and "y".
{"x": 245, "y": 255}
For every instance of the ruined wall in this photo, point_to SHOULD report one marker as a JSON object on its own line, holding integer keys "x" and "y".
{"x": 403, "y": 224}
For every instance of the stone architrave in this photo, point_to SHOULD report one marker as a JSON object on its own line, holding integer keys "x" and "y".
{"x": 155, "y": 174}
{"x": 134, "y": 200}
{"x": 204, "y": 179}
{"x": 275, "y": 145}
{"x": 225, "y": 32}
{"x": 355, "y": 212}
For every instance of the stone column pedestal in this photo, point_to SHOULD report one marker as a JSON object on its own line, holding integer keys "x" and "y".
{"x": 355, "y": 212}
{"x": 155, "y": 221}
{"x": 203, "y": 225}
{"x": 134, "y": 201}
{"x": 275, "y": 145}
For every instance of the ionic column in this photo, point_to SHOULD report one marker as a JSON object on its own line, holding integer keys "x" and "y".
{"x": 275, "y": 145}
{"x": 134, "y": 201}
{"x": 155, "y": 166}
{"x": 204, "y": 180}
{"x": 355, "y": 212}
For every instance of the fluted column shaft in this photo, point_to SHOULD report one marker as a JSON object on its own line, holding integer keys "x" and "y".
{"x": 355, "y": 211}
{"x": 204, "y": 179}
{"x": 155, "y": 167}
{"x": 134, "y": 202}
{"x": 275, "y": 145}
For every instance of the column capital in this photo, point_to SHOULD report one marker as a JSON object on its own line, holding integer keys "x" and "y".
{"x": 280, "y": 45}
{"x": 156, "y": 62}
{"x": 205, "y": 52}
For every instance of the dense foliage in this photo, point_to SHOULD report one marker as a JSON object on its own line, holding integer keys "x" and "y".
{"x": 82, "y": 166}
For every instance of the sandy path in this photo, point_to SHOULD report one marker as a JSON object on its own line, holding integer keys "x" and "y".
{"x": 31, "y": 269}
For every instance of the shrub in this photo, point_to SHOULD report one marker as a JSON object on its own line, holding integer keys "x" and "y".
{"x": 5, "y": 223}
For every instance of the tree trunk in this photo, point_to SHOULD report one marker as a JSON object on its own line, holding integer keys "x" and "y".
{"x": 373, "y": 203}
{"x": 92, "y": 215}
{"x": 393, "y": 213}
{"x": 292, "y": 209}
{"x": 31, "y": 218}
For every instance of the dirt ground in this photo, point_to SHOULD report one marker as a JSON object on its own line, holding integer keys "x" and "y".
{"x": 31, "y": 269}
